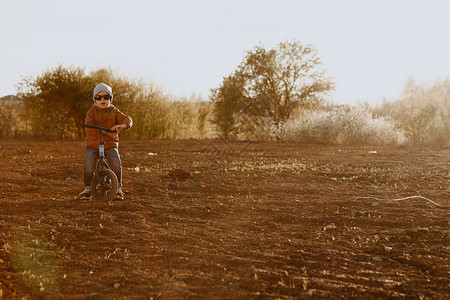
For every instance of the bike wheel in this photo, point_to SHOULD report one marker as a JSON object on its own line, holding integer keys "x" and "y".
{"x": 104, "y": 185}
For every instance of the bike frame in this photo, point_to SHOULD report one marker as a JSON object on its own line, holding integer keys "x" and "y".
{"x": 101, "y": 153}
{"x": 102, "y": 163}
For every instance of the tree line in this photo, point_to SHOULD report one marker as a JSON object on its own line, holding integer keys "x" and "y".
{"x": 277, "y": 93}
{"x": 54, "y": 105}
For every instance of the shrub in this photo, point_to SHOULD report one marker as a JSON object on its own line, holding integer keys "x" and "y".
{"x": 342, "y": 125}
{"x": 12, "y": 117}
{"x": 422, "y": 113}
{"x": 57, "y": 101}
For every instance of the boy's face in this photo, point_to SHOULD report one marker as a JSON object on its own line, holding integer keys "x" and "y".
{"x": 102, "y": 103}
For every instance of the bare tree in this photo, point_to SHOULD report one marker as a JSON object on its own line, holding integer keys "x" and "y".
{"x": 271, "y": 83}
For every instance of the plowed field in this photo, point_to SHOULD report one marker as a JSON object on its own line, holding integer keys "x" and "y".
{"x": 233, "y": 220}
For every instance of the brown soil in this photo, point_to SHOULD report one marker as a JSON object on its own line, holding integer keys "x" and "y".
{"x": 215, "y": 219}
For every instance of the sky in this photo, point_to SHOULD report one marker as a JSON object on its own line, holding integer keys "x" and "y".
{"x": 369, "y": 48}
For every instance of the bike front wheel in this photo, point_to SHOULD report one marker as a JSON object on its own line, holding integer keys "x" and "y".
{"x": 104, "y": 185}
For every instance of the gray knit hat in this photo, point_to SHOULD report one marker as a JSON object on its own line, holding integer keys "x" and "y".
{"x": 101, "y": 87}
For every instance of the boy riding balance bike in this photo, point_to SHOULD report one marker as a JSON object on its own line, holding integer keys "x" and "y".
{"x": 106, "y": 116}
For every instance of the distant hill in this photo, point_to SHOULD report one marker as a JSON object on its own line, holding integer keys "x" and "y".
{"x": 11, "y": 100}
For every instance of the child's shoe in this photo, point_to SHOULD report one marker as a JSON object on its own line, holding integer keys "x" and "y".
{"x": 86, "y": 194}
{"x": 119, "y": 195}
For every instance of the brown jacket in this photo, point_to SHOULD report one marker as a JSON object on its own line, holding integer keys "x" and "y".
{"x": 107, "y": 117}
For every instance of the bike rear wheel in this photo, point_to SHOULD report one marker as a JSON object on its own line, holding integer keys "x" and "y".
{"x": 104, "y": 185}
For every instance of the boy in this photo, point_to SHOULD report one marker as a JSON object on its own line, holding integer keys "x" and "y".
{"x": 104, "y": 114}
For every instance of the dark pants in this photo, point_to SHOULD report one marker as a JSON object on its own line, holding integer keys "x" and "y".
{"x": 90, "y": 161}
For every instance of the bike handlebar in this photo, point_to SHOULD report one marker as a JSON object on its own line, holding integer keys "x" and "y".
{"x": 98, "y": 127}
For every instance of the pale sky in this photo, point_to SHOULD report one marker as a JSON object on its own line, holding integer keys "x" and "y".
{"x": 369, "y": 48}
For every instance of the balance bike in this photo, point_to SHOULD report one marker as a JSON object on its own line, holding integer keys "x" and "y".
{"x": 104, "y": 184}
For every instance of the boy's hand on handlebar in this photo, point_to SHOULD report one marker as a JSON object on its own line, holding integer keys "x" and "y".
{"x": 117, "y": 129}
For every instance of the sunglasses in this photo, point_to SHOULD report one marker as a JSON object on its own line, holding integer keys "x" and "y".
{"x": 99, "y": 97}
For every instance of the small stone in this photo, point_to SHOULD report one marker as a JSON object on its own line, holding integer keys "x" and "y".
{"x": 388, "y": 249}
{"x": 331, "y": 226}
{"x": 376, "y": 258}
{"x": 116, "y": 285}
